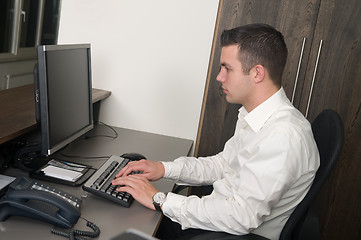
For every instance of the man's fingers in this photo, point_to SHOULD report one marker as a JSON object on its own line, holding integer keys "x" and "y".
{"x": 130, "y": 180}
{"x": 126, "y": 170}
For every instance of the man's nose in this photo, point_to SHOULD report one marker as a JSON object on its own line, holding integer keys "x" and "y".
{"x": 220, "y": 76}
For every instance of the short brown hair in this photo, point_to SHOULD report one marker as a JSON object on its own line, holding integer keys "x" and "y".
{"x": 259, "y": 44}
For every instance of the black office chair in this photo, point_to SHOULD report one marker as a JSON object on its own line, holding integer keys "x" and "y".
{"x": 328, "y": 133}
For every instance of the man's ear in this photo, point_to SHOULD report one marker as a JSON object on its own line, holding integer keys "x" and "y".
{"x": 259, "y": 73}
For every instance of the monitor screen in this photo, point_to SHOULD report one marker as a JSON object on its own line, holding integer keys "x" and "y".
{"x": 63, "y": 94}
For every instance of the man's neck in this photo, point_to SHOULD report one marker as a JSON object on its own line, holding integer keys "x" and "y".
{"x": 261, "y": 96}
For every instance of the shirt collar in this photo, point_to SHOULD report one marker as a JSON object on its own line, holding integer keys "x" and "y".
{"x": 258, "y": 116}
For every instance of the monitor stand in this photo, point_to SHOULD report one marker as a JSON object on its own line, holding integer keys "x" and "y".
{"x": 29, "y": 157}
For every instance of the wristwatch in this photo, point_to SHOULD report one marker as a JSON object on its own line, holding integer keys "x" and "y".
{"x": 158, "y": 200}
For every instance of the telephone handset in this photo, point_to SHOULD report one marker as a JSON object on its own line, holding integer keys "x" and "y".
{"x": 29, "y": 198}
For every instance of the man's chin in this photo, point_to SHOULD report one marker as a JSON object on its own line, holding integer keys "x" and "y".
{"x": 229, "y": 99}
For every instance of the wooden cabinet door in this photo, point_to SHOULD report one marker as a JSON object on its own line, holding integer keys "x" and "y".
{"x": 337, "y": 85}
{"x": 295, "y": 19}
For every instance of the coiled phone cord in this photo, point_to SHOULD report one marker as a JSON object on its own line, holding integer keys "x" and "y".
{"x": 75, "y": 234}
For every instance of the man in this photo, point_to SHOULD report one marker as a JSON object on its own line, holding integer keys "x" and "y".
{"x": 265, "y": 169}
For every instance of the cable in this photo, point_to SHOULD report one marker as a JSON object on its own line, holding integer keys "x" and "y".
{"x": 94, "y": 234}
{"x": 88, "y": 137}
{"x": 75, "y": 234}
{"x": 69, "y": 234}
{"x": 108, "y": 136}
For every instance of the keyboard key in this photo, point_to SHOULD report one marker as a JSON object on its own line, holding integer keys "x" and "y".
{"x": 100, "y": 182}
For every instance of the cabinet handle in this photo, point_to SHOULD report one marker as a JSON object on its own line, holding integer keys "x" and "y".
{"x": 313, "y": 78}
{"x": 15, "y": 35}
{"x": 23, "y": 13}
{"x": 298, "y": 69}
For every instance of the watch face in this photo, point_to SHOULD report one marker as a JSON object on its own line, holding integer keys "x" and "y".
{"x": 159, "y": 197}
{"x": 158, "y": 200}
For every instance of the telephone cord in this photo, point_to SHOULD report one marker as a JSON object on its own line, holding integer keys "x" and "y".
{"x": 75, "y": 234}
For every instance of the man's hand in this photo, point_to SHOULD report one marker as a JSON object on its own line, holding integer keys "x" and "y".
{"x": 139, "y": 187}
{"x": 151, "y": 170}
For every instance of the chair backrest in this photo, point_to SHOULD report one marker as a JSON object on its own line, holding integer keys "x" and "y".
{"x": 328, "y": 132}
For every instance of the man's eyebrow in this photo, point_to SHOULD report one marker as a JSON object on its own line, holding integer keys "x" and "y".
{"x": 224, "y": 64}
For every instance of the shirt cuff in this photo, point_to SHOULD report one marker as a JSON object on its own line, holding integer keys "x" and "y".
{"x": 172, "y": 206}
{"x": 172, "y": 170}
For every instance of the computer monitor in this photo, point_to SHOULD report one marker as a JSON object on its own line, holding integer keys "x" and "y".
{"x": 63, "y": 94}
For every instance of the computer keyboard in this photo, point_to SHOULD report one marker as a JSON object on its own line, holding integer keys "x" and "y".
{"x": 100, "y": 183}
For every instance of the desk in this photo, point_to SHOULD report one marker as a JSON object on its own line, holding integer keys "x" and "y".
{"x": 111, "y": 218}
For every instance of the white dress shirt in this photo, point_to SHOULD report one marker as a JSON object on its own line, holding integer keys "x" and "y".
{"x": 264, "y": 171}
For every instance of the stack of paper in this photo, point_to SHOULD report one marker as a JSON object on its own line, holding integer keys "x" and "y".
{"x": 61, "y": 173}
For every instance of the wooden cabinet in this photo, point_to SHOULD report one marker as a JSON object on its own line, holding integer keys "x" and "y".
{"x": 323, "y": 71}
{"x": 337, "y": 85}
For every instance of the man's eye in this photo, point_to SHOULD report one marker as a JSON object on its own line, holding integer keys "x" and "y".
{"x": 224, "y": 67}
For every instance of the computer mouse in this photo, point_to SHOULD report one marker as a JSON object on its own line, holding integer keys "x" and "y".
{"x": 133, "y": 156}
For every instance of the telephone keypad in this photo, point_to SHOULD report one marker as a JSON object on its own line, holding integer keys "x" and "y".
{"x": 71, "y": 199}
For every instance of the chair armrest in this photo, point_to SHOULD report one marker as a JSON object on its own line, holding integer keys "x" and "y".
{"x": 179, "y": 188}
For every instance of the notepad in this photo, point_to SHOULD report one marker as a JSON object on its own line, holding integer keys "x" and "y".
{"x": 61, "y": 173}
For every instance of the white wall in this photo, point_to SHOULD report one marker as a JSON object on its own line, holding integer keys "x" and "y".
{"x": 153, "y": 56}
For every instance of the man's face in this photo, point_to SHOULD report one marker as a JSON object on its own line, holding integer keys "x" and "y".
{"x": 235, "y": 83}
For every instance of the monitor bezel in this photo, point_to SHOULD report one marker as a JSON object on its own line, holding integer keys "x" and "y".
{"x": 41, "y": 95}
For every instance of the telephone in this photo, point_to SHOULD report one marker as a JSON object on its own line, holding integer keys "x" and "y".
{"x": 29, "y": 198}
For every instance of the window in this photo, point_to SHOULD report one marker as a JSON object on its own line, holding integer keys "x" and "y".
{"x": 24, "y": 24}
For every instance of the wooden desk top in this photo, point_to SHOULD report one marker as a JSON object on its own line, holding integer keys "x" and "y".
{"x": 17, "y": 110}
